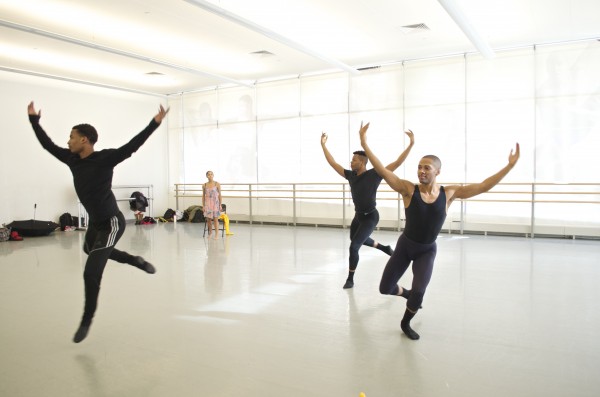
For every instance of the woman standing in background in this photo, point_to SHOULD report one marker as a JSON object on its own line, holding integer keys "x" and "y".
{"x": 211, "y": 203}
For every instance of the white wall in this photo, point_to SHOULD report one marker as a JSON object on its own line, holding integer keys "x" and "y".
{"x": 29, "y": 175}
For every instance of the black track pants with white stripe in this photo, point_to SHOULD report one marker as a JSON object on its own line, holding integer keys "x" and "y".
{"x": 100, "y": 240}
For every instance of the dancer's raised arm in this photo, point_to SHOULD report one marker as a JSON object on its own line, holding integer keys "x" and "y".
{"x": 402, "y": 186}
{"x": 473, "y": 189}
{"x": 338, "y": 168}
{"x": 394, "y": 165}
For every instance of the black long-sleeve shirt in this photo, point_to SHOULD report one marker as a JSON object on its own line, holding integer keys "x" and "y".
{"x": 92, "y": 176}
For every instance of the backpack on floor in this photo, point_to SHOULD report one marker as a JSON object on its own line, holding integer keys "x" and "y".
{"x": 198, "y": 217}
{"x": 65, "y": 220}
{"x": 138, "y": 202}
{"x": 193, "y": 214}
{"x": 169, "y": 214}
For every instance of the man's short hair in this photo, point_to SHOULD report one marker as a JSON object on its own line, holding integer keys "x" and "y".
{"x": 436, "y": 160}
{"x": 362, "y": 154}
{"x": 87, "y": 131}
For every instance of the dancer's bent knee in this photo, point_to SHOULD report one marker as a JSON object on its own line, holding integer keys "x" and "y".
{"x": 388, "y": 290}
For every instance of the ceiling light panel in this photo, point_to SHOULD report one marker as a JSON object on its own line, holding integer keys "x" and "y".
{"x": 310, "y": 24}
{"x": 24, "y": 52}
{"x": 173, "y": 31}
{"x": 197, "y": 49}
{"x": 270, "y": 33}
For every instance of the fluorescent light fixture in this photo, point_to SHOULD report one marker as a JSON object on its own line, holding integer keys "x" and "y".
{"x": 463, "y": 23}
{"x": 94, "y": 46}
{"x": 88, "y": 83}
{"x": 76, "y": 64}
{"x": 206, "y": 6}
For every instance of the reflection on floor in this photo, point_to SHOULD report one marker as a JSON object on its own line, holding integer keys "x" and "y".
{"x": 263, "y": 313}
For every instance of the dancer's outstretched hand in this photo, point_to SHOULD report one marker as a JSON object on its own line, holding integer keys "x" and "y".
{"x": 323, "y": 138}
{"x": 31, "y": 110}
{"x": 410, "y": 135}
{"x": 161, "y": 114}
{"x": 514, "y": 157}
{"x": 363, "y": 131}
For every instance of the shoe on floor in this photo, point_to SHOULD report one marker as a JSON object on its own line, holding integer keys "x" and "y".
{"x": 349, "y": 284}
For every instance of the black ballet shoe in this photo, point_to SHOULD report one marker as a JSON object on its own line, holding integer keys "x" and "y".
{"x": 408, "y": 331}
{"x": 145, "y": 266}
{"x": 349, "y": 284}
{"x": 81, "y": 333}
{"x": 388, "y": 250}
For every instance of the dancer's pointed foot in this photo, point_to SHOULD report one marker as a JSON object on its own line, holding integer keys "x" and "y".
{"x": 81, "y": 333}
{"x": 349, "y": 284}
{"x": 388, "y": 250}
{"x": 144, "y": 265}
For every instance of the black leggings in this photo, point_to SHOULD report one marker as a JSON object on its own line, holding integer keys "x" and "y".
{"x": 360, "y": 231}
{"x": 100, "y": 240}
{"x": 422, "y": 256}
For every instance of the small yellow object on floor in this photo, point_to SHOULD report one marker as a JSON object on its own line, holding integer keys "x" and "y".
{"x": 362, "y": 394}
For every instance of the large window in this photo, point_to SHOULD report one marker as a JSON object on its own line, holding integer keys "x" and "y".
{"x": 468, "y": 111}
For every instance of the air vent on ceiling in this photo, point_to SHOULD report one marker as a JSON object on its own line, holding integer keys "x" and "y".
{"x": 416, "y": 28}
{"x": 262, "y": 53}
{"x": 368, "y": 68}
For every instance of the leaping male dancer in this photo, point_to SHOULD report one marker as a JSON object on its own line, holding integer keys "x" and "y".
{"x": 92, "y": 176}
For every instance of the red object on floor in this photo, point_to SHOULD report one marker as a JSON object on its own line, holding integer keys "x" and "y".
{"x": 15, "y": 236}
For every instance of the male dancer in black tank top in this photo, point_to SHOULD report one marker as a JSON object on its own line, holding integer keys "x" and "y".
{"x": 426, "y": 206}
{"x": 363, "y": 186}
{"x": 92, "y": 176}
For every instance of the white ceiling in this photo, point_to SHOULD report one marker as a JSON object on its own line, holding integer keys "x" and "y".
{"x": 118, "y": 42}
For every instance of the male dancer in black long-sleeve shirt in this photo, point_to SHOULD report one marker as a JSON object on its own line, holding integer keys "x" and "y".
{"x": 363, "y": 186}
{"x": 92, "y": 176}
{"x": 426, "y": 205}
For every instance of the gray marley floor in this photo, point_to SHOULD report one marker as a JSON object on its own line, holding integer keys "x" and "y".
{"x": 263, "y": 313}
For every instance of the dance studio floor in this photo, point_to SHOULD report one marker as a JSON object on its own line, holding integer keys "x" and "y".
{"x": 263, "y": 313}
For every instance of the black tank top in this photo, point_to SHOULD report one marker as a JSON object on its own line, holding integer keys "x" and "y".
{"x": 424, "y": 221}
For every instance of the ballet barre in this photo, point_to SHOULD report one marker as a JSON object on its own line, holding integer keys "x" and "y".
{"x": 83, "y": 216}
